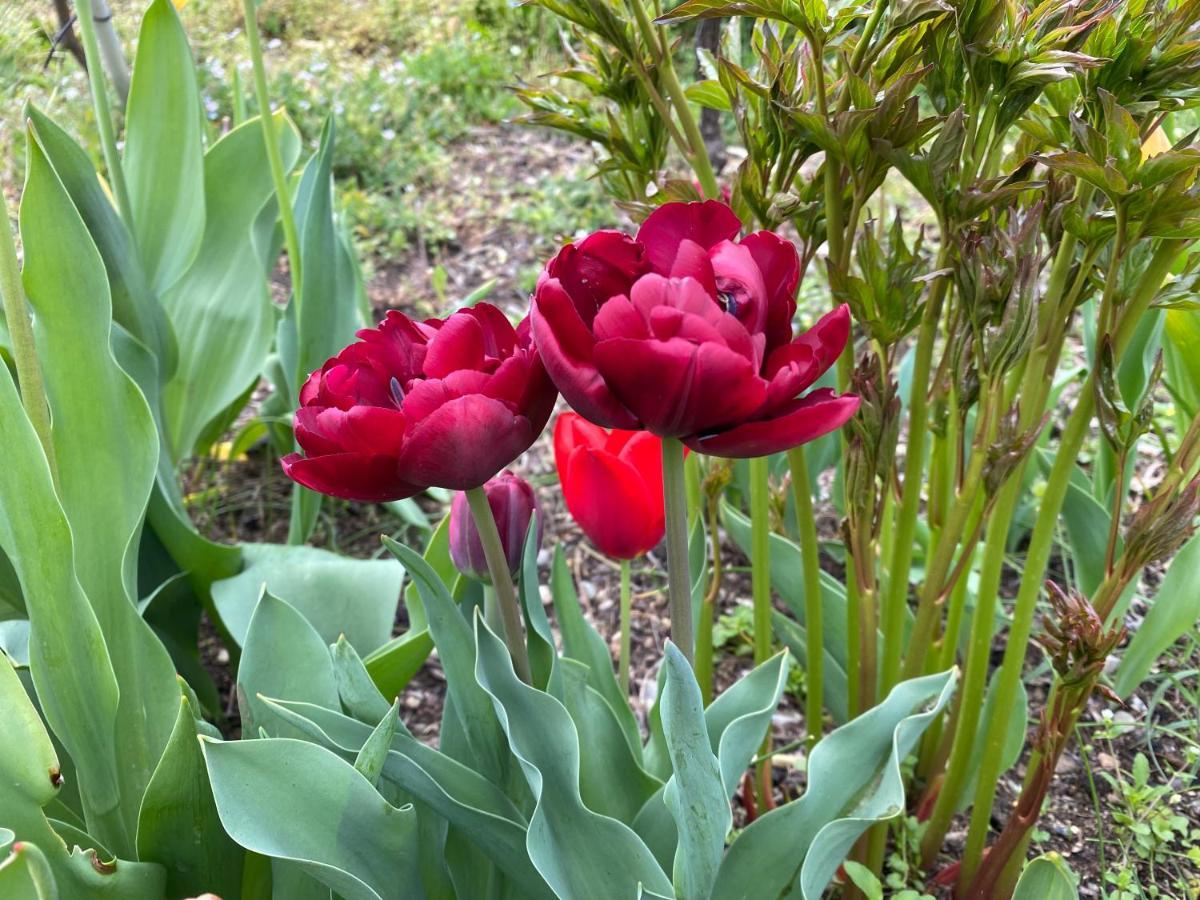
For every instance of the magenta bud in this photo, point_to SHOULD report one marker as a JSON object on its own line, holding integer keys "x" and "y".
{"x": 513, "y": 503}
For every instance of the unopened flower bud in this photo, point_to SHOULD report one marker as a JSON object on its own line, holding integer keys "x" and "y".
{"x": 513, "y": 505}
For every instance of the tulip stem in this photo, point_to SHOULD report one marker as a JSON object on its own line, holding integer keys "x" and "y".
{"x": 24, "y": 349}
{"x": 760, "y": 589}
{"x": 502, "y": 583}
{"x": 679, "y": 578}
{"x": 626, "y": 638}
{"x": 813, "y": 629}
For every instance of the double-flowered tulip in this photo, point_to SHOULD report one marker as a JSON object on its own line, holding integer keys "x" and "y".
{"x": 513, "y": 504}
{"x": 612, "y": 483}
{"x": 440, "y": 403}
{"x": 686, "y": 331}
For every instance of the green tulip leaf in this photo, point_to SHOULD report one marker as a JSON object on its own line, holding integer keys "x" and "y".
{"x": 292, "y": 800}
{"x": 360, "y": 697}
{"x": 583, "y": 643}
{"x": 30, "y": 782}
{"x": 835, "y": 684}
{"x": 179, "y": 827}
{"x": 373, "y": 753}
{"x": 470, "y": 705}
{"x": 335, "y": 594}
{"x": 694, "y": 795}
{"x": 163, "y": 159}
{"x": 221, "y": 302}
{"x": 612, "y": 781}
{"x": 283, "y": 656}
{"x": 467, "y": 800}
{"x": 134, "y": 305}
{"x": 538, "y": 636}
{"x": 24, "y": 870}
{"x": 1048, "y": 877}
{"x": 581, "y": 854}
{"x": 854, "y": 781}
{"x": 106, "y": 451}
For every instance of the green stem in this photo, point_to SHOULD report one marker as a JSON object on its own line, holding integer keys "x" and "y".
{"x": 626, "y": 615}
{"x": 1041, "y": 543}
{"x": 108, "y": 141}
{"x": 813, "y": 630}
{"x": 708, "y": 607}
{"x": 679, "y": 578}
{"x": 24, "y": 348}
{"x": 278, "y": 177}
{"x": 897, "y": 586}
{"x": 760, "y": 556}
{"x": 502, "y": 583}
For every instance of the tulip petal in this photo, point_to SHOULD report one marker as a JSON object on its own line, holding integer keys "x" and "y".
{"x": 361, "y": 429}
{"x": 566, "y": 348}
{"x": 572, "y": 430}
{"x": 779, "y": 264}
{"x": 608, "y": 498}
{"x": 805, "y": 419}
{"x": 458, "y": 344}
{"x": 463, "y": 443}
{"x": 706, "y": 223}
{"x": 677, "y": 387}
{"x": 602, "y": 265}
{"x": 366, "y": 477}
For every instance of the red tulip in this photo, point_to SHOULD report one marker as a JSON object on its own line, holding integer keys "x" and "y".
{"x": 513, "y": 505}
{"x": 687, "y": 332}
{"x": 440, "y": 403}
{"x": 612, "y": 483}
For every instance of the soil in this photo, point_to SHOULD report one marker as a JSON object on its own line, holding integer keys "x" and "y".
{"x": 248, "y": 500}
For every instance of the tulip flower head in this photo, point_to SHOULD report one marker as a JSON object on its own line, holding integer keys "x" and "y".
{"x": 441, "y": 403}
{"x": 686, "y": 332}
{"x": 612, "y": 483}
{"x": 513, "y": 504}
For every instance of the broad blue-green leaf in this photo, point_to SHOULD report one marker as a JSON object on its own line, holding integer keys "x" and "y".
{"x": 30, "y": 781}
{"x": 221, "y": 305}
{"x": 335, "y": 594}
{"x": 611, "y": 779}
{"x": 583, "y": 643}
{"x": 538, "y": 637}
{"x": 24, "y": 870}
{"x": 1173, "y": 612}
{"x": 106, "y": 450}
{"x": 360, "y": 697}
{"x": 581, "y": 854}
{"x": 293, "y": 800}
{"x": 178, "y": 826}
{"x": 134, "y": 305}
{"x": 1048, "y": 877}
{"x": 470, "y": 704}
{"x": 854, "y": 781}
{"x": 283, "y": 657}
{"x": 694, "y": 795}
{"x": 737, "y": 720}
{"x": 373, "y": 753}
{"x": 163, "y": 162}
{"x": 471, "y": 803}
{"x": 835, "y": 686}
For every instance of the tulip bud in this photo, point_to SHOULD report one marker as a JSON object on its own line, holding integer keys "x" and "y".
{"x": 513, "y": 505}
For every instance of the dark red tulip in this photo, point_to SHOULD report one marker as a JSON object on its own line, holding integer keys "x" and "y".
{"x": 612, "y": 483}
{"x": 687, "y": 332}
{"x": 441, "y": 403}
{"x": 513, "y": 505}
